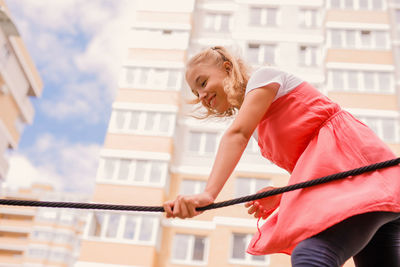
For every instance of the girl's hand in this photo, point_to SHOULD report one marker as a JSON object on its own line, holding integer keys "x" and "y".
{"x": 264, "y": 207}
{"x": 185, "y": 206}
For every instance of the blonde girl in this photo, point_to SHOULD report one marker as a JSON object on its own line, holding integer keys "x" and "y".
{"x": 307, "y": 134}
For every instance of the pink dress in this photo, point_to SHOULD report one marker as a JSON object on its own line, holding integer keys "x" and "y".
{"x": 310, "y": 136}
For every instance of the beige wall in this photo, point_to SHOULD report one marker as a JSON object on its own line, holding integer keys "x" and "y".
{"x": 124, "y": 254}
{"x": 128, "y": 195}
{"x": 34, "y": 76}
{"x": 9, "y": 113}
{"x": 156, "y": 54}
{"x": 358, "y": 16}
{"x": 139, "y": 143}
{"x": 219, "y": 241}
{"x": 365, "y": 101}
{"x": 359, "y": 56}
{"x": 148, "y": 97}
{"x": 170, "y": 17}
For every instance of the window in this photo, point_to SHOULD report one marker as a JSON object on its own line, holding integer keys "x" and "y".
{"x": 361, "y": 81}
{"x": 43, "y": 234}
{"x": 5, "y": 53}
{"x": 67, "y": 217}
{"x": 38, "y": 252}
{"x": 202, "y": 143}
{"x": 217, "y": 22}
{"x": 362, "y": 39}
{"x": 357, "y": 4}
{"x": 126, "y": 227}
{"x": 397, "y": 53}
{"x": 191, "y": 187}
{"x": 397, "y": 22}
{"x": 96, "y": 224}
{"x": 63, "y": 238}
{"x": 386, "y": 128}
{"x": 112, "y": 226}
{"x": 189, "y": 249}
{"x": 152, "y": 78}
{"x": 47, "y": 215}
{"x": 309, "y": 18}
{"x": 248, "y": 186}
{"x": 263, "y": 16}
{"x": 261, "y": 54}
{"x": 133, "y": 171}
{"x": 142, "y": 122}
{"x": 60, "y": 255}
{"x": 308, "y": 55}
{"x": 238, "y": 251}
{"x": 252, "y": 146}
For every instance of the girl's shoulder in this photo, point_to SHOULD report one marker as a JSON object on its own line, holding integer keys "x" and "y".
{"x": 263, "y": 76}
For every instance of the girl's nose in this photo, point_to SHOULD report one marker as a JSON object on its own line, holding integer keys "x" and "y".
{"x": 202, "y": 95}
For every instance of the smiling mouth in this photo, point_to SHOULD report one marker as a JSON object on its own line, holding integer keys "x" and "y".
{"x": 211, "y": 103}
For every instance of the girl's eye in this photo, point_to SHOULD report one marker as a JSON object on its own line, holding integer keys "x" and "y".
{"x": 204, "y": 83}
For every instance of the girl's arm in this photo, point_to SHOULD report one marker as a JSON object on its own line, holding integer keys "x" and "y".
{"x": 230, "y": 149}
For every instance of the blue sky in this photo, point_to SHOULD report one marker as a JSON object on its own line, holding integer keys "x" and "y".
{"x": 77, "y": 46}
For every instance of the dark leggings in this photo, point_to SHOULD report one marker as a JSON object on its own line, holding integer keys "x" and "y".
{"x": 372, "y": 239}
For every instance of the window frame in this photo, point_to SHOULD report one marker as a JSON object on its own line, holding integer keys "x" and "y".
{"x": 198, "y": 186}
{"x": 132, "y": 77}
{"x": 202, "y": 142}
{"x": 264, "y": 16}
{"x": 252, "y": 185}
{"x": 361, "y": 76}
{"x": 121, "y": 228}
{"x": 380, "y": 131}
{"x": 343, "y": 43}
{"x": 262, "y": 50}
{"x": 143, "y": 118}
{"x": 311, "y": 51}
{"x": 130, "y": 180}
{"x": 187, "y": 260}
{"x": 213, "y": 22}
{"x": 356, "y": 5}
{"x": 248, "y": 257}
{"x": 305, "y": 18}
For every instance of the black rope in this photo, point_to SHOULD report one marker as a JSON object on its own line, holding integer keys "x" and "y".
{"x": 276, "y": 191}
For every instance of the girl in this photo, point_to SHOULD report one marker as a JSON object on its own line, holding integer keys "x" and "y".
{"x": 304, "y": 132}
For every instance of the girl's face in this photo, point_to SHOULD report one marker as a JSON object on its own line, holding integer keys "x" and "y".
{"x": 206, "y": 81}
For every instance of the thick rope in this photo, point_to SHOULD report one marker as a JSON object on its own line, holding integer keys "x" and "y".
{"x": 276, "y": 191}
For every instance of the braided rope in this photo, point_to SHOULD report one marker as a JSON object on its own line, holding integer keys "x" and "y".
{"x": 276, "y": 191}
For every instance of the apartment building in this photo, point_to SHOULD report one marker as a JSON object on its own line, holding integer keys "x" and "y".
{"x": 39, "y": 237}
{"x": 19, "y": 81}
{"x": 153, "y": 151}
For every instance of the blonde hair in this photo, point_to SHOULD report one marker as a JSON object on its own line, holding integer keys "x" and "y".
{"x": 234, "y": 85}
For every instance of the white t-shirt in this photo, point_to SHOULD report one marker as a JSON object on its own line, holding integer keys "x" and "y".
{"x": 267, "y": 75}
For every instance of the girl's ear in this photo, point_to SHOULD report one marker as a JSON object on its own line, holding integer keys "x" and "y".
{"x": 228, "y": 66}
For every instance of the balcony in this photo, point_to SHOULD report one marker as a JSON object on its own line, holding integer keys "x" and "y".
{"x": 10, "y": 261}
{"x": 15, "y": 79}
{"x": 16, "y": 226}
{"x": 19, "y": 211}
{"x": 13, "y": 244}
{"x": 3, "y": 167}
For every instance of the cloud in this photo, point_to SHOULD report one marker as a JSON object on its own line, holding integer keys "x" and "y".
{"x": 23, "y": 173}
{"x": 70, "y": 167}
{"x": 78, "y": 47}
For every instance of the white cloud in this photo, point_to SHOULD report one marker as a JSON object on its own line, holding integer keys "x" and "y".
{"x": 70, "y": 167}
{"x": 23, "y": 173}
{"x": 76, "y": 45}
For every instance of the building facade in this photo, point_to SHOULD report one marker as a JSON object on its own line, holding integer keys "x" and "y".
{"x": 19, "y": 81}
{"x": 154, "y": 151}
{"x": 39, "y": 237}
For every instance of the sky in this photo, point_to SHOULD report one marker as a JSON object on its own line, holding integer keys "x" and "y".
{"x": 77, "y": 46}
